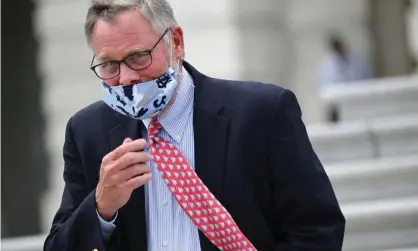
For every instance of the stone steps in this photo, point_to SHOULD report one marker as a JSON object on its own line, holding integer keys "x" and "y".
{"x": 365, "y": 140}
{"x": 27, "y": 243}
{"x": 381, "y": 224}
{"x": 375, "y": 98}
{"x": 383, "y": 178}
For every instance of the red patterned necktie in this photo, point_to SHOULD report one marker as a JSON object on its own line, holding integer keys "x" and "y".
{"x": 194, "y": 197}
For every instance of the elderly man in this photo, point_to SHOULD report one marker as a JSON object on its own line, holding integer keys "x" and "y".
{"x": 172, "y": 159}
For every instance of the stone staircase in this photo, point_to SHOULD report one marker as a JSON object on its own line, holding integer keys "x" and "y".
{"x": 371, "y": 157}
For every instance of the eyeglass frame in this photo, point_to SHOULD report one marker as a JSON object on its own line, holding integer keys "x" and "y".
{"x": 145, "y": 52}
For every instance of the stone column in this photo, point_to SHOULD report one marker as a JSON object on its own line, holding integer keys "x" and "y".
{"x": 24, "y": 162}
{"x": 412, "y": 31}
{"x": 210, "y": 36}
{"x": 392, "y": 54}
{"x": 262, "y": 41}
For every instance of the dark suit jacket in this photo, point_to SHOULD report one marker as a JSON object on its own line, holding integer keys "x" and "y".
{"x": 251, "y": 151}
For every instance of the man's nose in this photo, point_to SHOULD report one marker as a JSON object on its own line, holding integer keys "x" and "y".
{"x": 128, "y": 76}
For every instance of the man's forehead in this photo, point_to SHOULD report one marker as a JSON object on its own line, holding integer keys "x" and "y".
{"x": 124, "y": 35}
{"x": 130, "y": 16}
{"x": 127, "y": 23}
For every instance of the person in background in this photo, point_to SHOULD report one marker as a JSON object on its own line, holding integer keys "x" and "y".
{"x": 340, "y": 68}
{"x": 341, "y": 65}
{"x": 172, "y": 159}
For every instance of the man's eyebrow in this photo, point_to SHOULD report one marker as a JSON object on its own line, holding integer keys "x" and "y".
{"x": 135, "y": 50}
{"x": 104, "y": 57}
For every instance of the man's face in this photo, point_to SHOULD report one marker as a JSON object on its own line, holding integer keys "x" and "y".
{"x": 127, "y": 34}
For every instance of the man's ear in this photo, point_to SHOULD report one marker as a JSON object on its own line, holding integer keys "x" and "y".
{"x": 178, "y": 41}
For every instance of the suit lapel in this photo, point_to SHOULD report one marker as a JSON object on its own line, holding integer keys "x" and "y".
{"x": 210, "y": 132}
{"x": 132, "y": 215}
{"x": 125, "y": 128}
{"x": 210, "y": 136}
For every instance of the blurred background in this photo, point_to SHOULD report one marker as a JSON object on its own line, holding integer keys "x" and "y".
{"x": 352, "y": 64}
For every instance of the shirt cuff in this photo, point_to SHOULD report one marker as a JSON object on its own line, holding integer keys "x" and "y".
{"x": 107, "y": 226}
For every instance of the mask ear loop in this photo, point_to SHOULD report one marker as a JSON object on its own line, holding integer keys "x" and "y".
{"x": 176, "y": 69}
{"x": 179, "y": 66}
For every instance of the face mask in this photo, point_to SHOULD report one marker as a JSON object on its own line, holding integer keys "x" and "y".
{"x": 145, "y": 99}
{"x": 142, "y": 100}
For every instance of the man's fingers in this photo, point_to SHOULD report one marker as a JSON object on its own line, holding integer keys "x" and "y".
{"x": 131, "y": 158}
{"x": 138, "y": 181}
{"x": 127, "y": 146}
{"x": 127, "y": 140}
{"x": 130, "y": 172}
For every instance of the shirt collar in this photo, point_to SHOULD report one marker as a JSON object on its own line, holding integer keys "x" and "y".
{"x": 174, "y": 120}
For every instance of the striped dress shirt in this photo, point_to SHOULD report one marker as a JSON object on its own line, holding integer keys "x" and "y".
{"x": 168, "y": 227}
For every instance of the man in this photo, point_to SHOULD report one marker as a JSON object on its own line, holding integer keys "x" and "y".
{"x": 172, "y": 159}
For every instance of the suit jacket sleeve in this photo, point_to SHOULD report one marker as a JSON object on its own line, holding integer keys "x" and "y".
{"x": 75, "y": 225}
{"x": 308, "y": 217}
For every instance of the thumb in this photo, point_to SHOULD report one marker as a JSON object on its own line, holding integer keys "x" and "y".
{"x": 127, "y": 140}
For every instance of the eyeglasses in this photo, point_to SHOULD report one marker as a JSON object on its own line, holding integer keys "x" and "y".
{"x": 136, "y": 61}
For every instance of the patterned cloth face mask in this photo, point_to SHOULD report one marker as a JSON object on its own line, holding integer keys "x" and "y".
{"x": 142, "y": 100}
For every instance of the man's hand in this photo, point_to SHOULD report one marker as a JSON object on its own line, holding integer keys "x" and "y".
{"x": 122, "y": 171}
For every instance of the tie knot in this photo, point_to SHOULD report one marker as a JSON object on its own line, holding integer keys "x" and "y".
{"x": 154, "y": 127}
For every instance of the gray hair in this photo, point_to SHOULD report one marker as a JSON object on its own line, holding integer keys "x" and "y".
{"x": 158, "y": 12}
